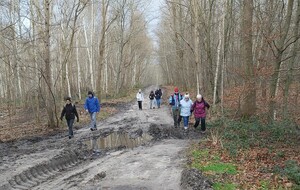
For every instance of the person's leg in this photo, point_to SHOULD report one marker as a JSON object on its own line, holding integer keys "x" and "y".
{"x": 174, "y": 113}
{"x": 91, "y": 124}
{"x": 140, "y": 104}
{"x": 185, "y": 121}
{"x": 203, "y": 127}
{"x": 70, "y": 127}
{"x": 197, "y": 121}
{"x": 158, "y": 103}
{"x": 93, "y": 121}
{"x": 151, "y": 102}
{"x": 179, "y": 117}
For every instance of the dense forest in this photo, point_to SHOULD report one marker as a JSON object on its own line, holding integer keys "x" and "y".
{"x": 240, "y": 53}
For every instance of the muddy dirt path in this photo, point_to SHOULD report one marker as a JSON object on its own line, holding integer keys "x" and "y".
{"x": 131, "y": 150}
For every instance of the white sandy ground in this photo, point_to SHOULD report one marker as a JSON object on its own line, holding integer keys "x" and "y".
{"x": 155, "y": 166}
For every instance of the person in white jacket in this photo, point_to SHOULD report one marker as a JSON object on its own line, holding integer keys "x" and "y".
{"x": 185, "y": 112}
{"x": 140, "y": 98}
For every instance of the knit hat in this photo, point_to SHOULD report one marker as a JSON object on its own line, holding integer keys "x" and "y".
{"x": 68, "y": 98}
{"x": 199, "y": 96}
{"x": 176, "y": 89}
{"x": 186, "y": 95}
{"x": 90, "y": 92}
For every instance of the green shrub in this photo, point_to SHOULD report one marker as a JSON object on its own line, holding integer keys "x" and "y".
{"x": 241, "y": 134}
{"x": 292, "y": 171}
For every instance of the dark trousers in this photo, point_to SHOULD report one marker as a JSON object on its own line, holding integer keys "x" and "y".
{"x": 140, "y": 105}
{"x": 70, "y": 126}
{"x": 176, "y": 117}
{"x": 158, "y": 102}
{"x": 203, "y": 127}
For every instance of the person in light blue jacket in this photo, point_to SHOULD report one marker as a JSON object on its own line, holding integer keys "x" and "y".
{"x": 92, "y": 106}
{"x": 185, "y": 112}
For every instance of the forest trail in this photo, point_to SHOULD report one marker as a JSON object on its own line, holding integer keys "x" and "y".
{"x": 135, "y": 150}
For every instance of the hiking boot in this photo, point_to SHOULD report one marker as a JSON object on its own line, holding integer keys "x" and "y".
{"x": 203, "y": 132}
{"x": 70, "y": 137}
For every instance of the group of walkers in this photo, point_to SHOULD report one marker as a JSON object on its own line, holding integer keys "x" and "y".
{"x": 154, "y": 97}
{"x": 182, "y": 108}
{"x": 91, "y": 106}
{"x": 181, "y": 105}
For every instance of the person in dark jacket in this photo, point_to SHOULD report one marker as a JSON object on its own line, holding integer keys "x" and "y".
{"x": 69, "y": 111}
{"x": 92, "y": 106}
{"x": 199, "y": 109}
{"x": 151, "y": 97}
{"x": 158, "y": 96}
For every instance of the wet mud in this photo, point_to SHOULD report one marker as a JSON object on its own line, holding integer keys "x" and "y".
{"x": 193, "y": 179}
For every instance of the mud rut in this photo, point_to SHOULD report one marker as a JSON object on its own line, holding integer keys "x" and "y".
{"x": 151, "y": 155}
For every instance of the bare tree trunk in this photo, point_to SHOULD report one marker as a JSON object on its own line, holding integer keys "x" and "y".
{"x": 291, "y": 62}
{"x": 91, "y": 73}
{"x": 218, "y": 60}
{"x": 50, "y": 103}
{"x": 78, "y": 70}
{"x": 278, "y": 60}
{"x": 249, "y": 96}
{"x": 195, "y": 15}
{"x": 102, "y": 45}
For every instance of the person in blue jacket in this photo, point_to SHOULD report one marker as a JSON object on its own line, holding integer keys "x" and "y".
{"x": 92, "y": 106}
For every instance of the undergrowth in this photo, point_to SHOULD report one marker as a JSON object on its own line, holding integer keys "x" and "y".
{"x": 268, "y": 153}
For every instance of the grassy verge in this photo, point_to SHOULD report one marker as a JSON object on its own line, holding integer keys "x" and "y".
{"x": 249, "y": 155}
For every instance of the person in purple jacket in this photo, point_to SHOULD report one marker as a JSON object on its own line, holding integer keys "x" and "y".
{"x": 92, "y": 106}
{"x": 199, "y": 109}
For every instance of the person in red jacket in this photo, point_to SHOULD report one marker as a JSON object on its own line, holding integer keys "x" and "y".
{"x": 199, "y": 109}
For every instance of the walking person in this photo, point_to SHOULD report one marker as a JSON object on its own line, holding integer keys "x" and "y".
{"x": 151, "y": 97}
{"x": 140, "y": 99}
{"x": 158, "y": 96}
{"x": 199, "y": 109}
{"x": 92, "y": 106}
{"x": 69, "y": 111}
{"x": 174, "y": 101}
{"x": 186, "y": 105}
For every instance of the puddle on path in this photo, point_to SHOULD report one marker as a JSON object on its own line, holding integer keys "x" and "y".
{"x": 115, "y": 140}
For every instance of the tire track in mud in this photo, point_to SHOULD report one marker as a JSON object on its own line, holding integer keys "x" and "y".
{"x": 40, "y": 173}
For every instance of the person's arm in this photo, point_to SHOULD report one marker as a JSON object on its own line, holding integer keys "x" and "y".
{"x": 206, "y": 104}
{"x": 86, "y": 105}
{"x": 193, "y": 107}
{"x": 170, "y": 100}
{"x": 76, "y": 113}
{"x": 63, "y": 112}
{"x": 98, "y": 105}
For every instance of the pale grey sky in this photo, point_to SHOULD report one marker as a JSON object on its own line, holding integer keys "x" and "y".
{"x": 154, "y": 14}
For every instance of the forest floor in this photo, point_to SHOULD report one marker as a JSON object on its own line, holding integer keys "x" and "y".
{"x": 135, "y": 149}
